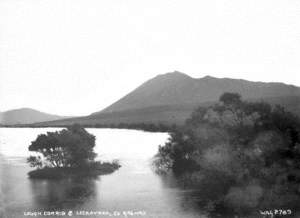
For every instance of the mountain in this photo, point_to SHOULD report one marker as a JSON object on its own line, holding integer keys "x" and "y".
{"x": 179, "y": 89}
{"x": 26, "y": 116}
{"x": 171, "y": 97}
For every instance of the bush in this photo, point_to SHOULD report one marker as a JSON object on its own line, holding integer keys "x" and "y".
{"x": 244, "y": 154}
{"x": 66, "y": 148}
{"x": 69, "y": 152}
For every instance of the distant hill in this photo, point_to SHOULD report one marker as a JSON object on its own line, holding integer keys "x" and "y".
{"x": 26, "y": 116}
{"x": 170, "y": 98}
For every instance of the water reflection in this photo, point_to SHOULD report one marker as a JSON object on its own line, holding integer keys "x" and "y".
{"x": 187, "y": 199}
{"x": 62, "y": 194}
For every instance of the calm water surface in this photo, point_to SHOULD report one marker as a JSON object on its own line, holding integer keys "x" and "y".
{"x": 134, "y": 187}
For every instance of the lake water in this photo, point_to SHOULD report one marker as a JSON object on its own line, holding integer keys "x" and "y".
{"x": 132, "y": 191}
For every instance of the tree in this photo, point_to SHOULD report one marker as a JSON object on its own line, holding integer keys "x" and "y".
{"x": 71, "y": 147}
{"x": 252, "y": 146}
{"x": 230, "y": 98}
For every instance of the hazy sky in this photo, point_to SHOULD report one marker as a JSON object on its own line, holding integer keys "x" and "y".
{"x": 74, "y": 57}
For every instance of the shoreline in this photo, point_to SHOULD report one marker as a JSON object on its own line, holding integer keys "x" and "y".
{"x": 96, "y": 169}
{"x": 141, "y": 127}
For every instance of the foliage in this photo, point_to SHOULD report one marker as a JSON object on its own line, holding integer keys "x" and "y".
{"x": 178, "y": 152}
{"x": 71, "y": 147}
{"x": 253, "y": 147}
{"x": 35, "y": 161}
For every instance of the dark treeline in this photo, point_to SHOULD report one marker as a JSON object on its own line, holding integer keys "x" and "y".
{"x": 242, "y": 156}
{"x": 149, "y": 127}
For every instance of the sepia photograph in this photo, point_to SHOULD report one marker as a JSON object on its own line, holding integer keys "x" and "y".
{"x": 150, "y": 109}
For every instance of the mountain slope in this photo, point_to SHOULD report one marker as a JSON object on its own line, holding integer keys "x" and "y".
{"x": 170, "y": 98}
{"x": 179, "y": 89}
{"x": 26, "y": 116}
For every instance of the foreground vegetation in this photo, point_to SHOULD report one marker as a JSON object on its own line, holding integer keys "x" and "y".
{"x": 241, "y": 156}
{"x": 69, "y": 152}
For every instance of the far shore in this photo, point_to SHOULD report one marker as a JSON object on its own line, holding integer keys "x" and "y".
{"x": 148, "y": 127}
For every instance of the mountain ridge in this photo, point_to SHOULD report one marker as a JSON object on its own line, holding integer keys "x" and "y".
{"x": 26, "y": 115}
{"x": 177, "y": 87}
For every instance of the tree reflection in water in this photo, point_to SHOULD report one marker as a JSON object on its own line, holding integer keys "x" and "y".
{"x": 62, "y": 194}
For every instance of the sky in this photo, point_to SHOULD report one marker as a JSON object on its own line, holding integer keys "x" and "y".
{"x": 75, "y": 57}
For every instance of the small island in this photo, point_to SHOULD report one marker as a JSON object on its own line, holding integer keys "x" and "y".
{"x": 67, "y": 153}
